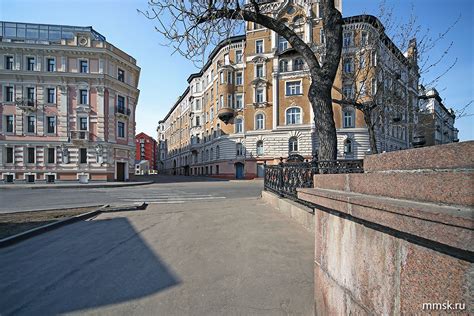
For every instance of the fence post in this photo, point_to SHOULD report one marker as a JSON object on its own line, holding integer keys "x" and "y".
{"x": 280, "y": 177}
{"x": 265, "y": 175}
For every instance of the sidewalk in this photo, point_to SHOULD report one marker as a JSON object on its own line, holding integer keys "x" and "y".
{"x": 74, "y": 185}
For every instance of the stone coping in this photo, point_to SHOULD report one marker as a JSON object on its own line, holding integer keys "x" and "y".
{"x": 448, "y": 156}
{"x": 448, "y": 225}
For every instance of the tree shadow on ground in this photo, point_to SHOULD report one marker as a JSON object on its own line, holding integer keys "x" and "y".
{"x": 81, "y": 266}
{"x": 177, "y": 179}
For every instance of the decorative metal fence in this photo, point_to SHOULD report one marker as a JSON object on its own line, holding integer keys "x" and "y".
{"x": 288, "y": 176}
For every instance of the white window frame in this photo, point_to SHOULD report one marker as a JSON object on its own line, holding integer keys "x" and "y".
{"x": 124, "y": 130}
{"x": 256, "y": 46}
{"x": 300, "y": 85}
{"x": 5, "y": 120}
{"x": 35, "y": 127}
{"x": 237, "y": 81}
{"x": 46, "y": 124}
{"x": 79, "y": 123}
{"x": 257, "y": 66}
{"x": 239, "y": 56}
{"x": 257, "y": 148}
{"x": 47, "y": 95}
{"x": 238, "y": 97}
{"x": 80, "y": 96}
{"x": 256, "y": 94}
{"x": 257, "y": 127}
{"x": 6, "y": 155}
{"x": 46, "y": 64}
{"x": 5, "y": 63}
{"x": 237, "y": 129}
{"x": 79, "y": 65}
{"x": 34, "y": 62}
{"x": 300, "y": 115}
{"x": 291, "y": 148}
{"x": 348, "y": 118}
{"x": 5, "y": 87}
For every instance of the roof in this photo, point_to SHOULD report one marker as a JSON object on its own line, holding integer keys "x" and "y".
{"x": 46, "y": 32}
{"x": 143, "y": 135}
{"x": 181, "y": 97}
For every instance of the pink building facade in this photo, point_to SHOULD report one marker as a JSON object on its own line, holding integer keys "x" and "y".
{"x": 67, "y": 105}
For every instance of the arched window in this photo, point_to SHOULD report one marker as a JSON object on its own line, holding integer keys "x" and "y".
{"x": 293, "y": 116}
{"x": 260, "y": 148}
{"x": 348, "y": 146}
{"x": 218, "y": 152}
{"x": 239, "y": 149}
{"x": 259, "y": 121}
{"x": 207, "y": 154}
{"x": 283, "y": 65}
{"x": 282, "y": 43}
{"x": 212, "y": 154}
{"x": 348, "y": 118}
{"x": 293, "y": 145}
{"x": 298, "y": 64}
{"x": 239, "y": 128}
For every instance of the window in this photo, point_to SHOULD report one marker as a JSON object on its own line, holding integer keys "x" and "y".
{"x": 211, "y": 114}
{"x": 9, "y": 158}
{"x": 238, "y": 78}
{"x": 362, "y": 62}
{"x": 83, "y": 66}
{"x": 121, "y": 129}
{"x": 364, "y": 38}
{"x": 83, "y": 123}
{"x": 221, "y": 77}
{"x": 293, "y": 144}
{"x": 293, "y": 88}
{"x": 83, "y": 96}
{"x": 51, "y": 155}
{"x": 198, "y": 123}
{"x": 51, "y": 64}
{"x": 9, "y": 62}
{"x": 30, "y": 124}
{"x": 83, "y": 155}
{"x": 121, "y": 75}
{"x": 31, "y": 155}
{"x": 239, "y": 149}
{"x": 8, "y": 94}
{"x": 229, "y": 77}
{"x": 238, "y": 101}
{"x": 221, "y": 101}
{"x": 373, "y": 58}
{"x": 218, "y": 152}
{"x": 374, "y": 86}
{"x": 259, "y": 71}
{"x": 238, "y": 56}
{"x": 362, "y": 88}
{"x": 347, "y": 91}
{"x": 229, "y": 100}
{"x": 348, "y": 119}
{"x": 259, "y": 47}
{"x": 198, "y": 104}
{"x": 259, "y": 121}
{"x": 120, "y": 104}
{"x": 239, "y": 125}
{"x": 50, "y": 95}
{"x": 298, "y": 64}
{"x": 322, "y": 36}
{"x": 226, "y": 59}
{"x": 347, "y": 39}
{"x": 293, "y": 116}
{"x": 30, "y": 95}
{"x": 259, "y": 95}
{"x": 9, "y": 123}
{"x": 348, "y": 65}
{"x": 260, "y": 148}
{"x": 30, "y": 63}
{"x": 282, "y": 43}
{"x": 51, "y": 121}
{"x": 347, "y": 146}
{"x": 283, "y": 65}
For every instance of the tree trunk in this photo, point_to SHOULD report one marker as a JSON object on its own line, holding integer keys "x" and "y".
{"x": 371, "y": 130}
{"x": 321, "y": 102}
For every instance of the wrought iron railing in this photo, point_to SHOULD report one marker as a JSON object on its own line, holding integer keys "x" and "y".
{"x": 285, "y": 177}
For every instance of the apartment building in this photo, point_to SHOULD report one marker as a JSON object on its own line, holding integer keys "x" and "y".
{"x": 146, "y": 149}
{"x": 436, "y": 120}
{"x": 248, "y": 105}
{"x": 67, "y": 105}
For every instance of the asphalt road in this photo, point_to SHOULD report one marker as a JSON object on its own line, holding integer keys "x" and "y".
{"x": 167, "y": 189}
{"x": 230, "y": 256}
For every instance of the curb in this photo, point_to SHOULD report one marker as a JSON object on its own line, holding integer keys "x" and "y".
{"x": 53, "y": 209}
{"x": 5, "y": 242}
{"x": 76, "y": 186}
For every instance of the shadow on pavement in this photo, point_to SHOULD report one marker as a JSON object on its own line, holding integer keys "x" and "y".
{"x": 81, "y": 266}
{"x": 160, "y": 178}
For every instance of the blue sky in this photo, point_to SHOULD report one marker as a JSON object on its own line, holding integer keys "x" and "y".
{"x": 163, "y": 77}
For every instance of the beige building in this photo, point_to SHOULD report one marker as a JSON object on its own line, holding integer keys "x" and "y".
{"x": 436, "y": 120}
{"x": 67, "y": 105}
{"x": 248, "y": 105}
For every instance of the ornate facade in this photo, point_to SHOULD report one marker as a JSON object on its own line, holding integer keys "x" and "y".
{"x": 248, "y": 105}
{"x": 67, "y": 105}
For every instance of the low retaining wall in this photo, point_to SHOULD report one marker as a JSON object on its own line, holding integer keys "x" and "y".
{"x": 397, "y": 239}
{"x": 299, "y": 213}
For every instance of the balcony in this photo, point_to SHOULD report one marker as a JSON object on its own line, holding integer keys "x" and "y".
{"x": 26, "y": 104}
{"x": 123, "y": 113}
{"x": 226, "y": 114}
{"x": 80, "y": 137}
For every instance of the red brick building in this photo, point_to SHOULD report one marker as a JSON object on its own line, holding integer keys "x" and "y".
{"x": 146, "y": 149}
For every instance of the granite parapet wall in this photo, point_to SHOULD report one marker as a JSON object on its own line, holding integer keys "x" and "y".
{"x": 398, "y": 236}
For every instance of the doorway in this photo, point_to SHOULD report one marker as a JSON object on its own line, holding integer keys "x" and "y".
{"x": 239, "y": 170}
{"x": 260, "y": 170}
{"x": 120, "y": 171}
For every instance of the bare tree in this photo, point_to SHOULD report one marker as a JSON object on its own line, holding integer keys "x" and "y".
{"x": 190, "y": 27}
